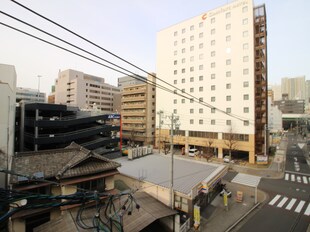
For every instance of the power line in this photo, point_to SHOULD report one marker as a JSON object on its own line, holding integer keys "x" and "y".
{"x": 126, "y": 61}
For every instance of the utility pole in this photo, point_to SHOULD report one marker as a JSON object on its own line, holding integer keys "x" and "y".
{"x": 39, "y": 76}
{"x": 159, "y": 127}
{"x": 173, "y": 125}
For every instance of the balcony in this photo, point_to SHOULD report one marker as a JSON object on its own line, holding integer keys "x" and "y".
{"x": 135, "y": 113}
{"x": 135, "y": 91}
{"x": 133, "y": 99}
{"x": 132, "y": 128}
{"x": 134, "y": 106}
{"x": 136, "y": 121}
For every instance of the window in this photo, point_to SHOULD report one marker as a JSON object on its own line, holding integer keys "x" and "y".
{"x": 245, "y": 34}
{"x": 183, "y": 30}
{"x": 200, "y": 121}
{"x": 175, "y": 33}
{"x": 183, "y": 50}
{"x": 228, "y": 14}
{"x": 192, "y": 58}
{"x": 98, "y": 184}
{"x": 191, "y": 48}
{"x": 200, "y": 110}
{"x": 245, "y": 21}
{"x": 183, "y": 60}
{"x": 200, "y": 45}
{"x": 183, "y": 90}
{"x": 201, "y": 24}
{"x": 228, "y": 26}
{"x": 245, "y": 46}
{"x": 183, "y": 80}
{"x": 228, "y": 74}
{"x": 212, "y": 87}
{"x": 175, "y": 101}
{"x": 175, "y": 111}
{"x": 200, "y": 56}
{"x": 192, "y": 100}
{"x": 213, "y": 20}
{"x": 175, "y": 82}
{"x": 191, "y": 38}
{"x": 228, "y": 38}
{"x": 212, "y": 110}
{"x": 191, "y": 69}
{"x": 192, "y": 27}
{"x": 245, "y": 96}
{"x": 175, "y": 91}
{"x": 213, "y": 122}
{"x": 228, "y": 98}
{"x": 183, "y": 101}
{"x": 245, "y": 109}
{"x": 191, "y": 79}
{"x": 213, "y": 65}
{"x": 175, "y": 72}
{"x": 228, "y": 122}
{"x": 201, "y": 67}
{"x": 213, "y": 31}
{"x": 228, "y": 110}
{"x": 213, "y": 76}
{"x": 175, "y": 62}
{"x": 183, "y": 40}
{"x": 245, "y": 59}
{"x": 246, "y": 123}
{"x": 200, "y": 78}
{"x": 212, "y": 99}
{"x": 201, "y": 99}
{"x": 200, "y": 89}
{"x": 245, "y": 71}
{"x": 191, "y": 111}
{"x": 212, "y": 42}
{"x": 213, "y": 53}
{"x": 228, "y": 86}
{"x": 191, "y": 121}
{"x": 228, "y": 61}
{"x": 175, "y": 53}
{"x": 183, "y": 70}
{"x": 200, "y": 35}
{"x": 175, "y": 43}
{"x": 191, "y": 90}
{"x": 245, "y": 84}
{"x": 244, "y": 9}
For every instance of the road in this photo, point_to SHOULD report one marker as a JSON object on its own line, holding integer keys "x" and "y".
{"x": 288, "y": 207}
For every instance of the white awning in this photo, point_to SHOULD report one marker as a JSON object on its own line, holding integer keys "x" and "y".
{"x": 245, "y": 179}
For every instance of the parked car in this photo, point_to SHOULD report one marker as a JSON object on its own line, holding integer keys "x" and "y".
{"x": 193, "y": 152}
{"x": 226, "y": 159}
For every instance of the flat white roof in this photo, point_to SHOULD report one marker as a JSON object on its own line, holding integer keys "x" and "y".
{"x": 245, "y": 179}
{"x": 156, "y": 169}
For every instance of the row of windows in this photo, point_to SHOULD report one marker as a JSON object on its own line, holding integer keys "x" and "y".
{"x": 213, "y": 122}
{"x": 245, "y": 71}
{"x": 201, "y": 134}
{"x": 245, "y": 46}
{"x": 213, "y": 88}
{"x": 238, "y": 137}
{"x": 228, "y": 110}
{"x": 228, "y": 61}
{"x": 213, "y": 20}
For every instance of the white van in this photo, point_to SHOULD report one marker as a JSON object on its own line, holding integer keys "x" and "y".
{"x": 192, "y": 152}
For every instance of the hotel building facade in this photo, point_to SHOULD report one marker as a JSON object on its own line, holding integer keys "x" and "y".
{"x": 217, "y": 64}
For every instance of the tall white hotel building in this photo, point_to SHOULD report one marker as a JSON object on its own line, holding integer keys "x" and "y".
{"x": 220, "y": 58}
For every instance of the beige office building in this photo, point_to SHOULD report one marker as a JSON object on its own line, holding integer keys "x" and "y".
{"x": 138, "y": 113}
{"x": 295, "y": 87}
{"x": 83, "y": 90}
{"x": 219, "y": 59}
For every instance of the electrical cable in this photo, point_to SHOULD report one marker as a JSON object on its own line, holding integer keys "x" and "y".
{"x": 122, "y": 59}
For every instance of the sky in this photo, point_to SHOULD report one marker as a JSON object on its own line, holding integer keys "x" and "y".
{"x": 128, "y": 29}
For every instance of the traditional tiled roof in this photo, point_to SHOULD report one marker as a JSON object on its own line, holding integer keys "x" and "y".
{"x": 71, "y": 161}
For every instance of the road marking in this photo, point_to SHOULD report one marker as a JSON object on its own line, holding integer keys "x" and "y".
{"x": 282, "y": 202}
{"x": 305, "y": 179}
{"x": 299, "y": 206}
{"x": 274, "y": 199}
{"x": 286, "y": 176}
{"x": 307, "y": 212}
{"x": 292, "y": 177}
{"x": 290, "y": 205}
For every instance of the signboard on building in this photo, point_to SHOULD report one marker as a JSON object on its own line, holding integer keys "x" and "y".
{"x": 114, "y": 116}
{"x": 197, "y": 214}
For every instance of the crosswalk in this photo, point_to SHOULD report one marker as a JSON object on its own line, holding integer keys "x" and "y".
{"x": 293, "y": 204}
{"x": 297, "y": 178}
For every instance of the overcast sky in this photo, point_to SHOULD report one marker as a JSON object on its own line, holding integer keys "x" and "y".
{"x": 128, "y": 28}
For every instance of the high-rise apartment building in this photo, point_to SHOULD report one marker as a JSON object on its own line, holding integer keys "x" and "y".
{"x": 294, "y": 87}
{"x": 217, "y": 64}
{"x": 138, "y": 113}
{"x": 29, "y": 95}
{"x": 83, "y": 90}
